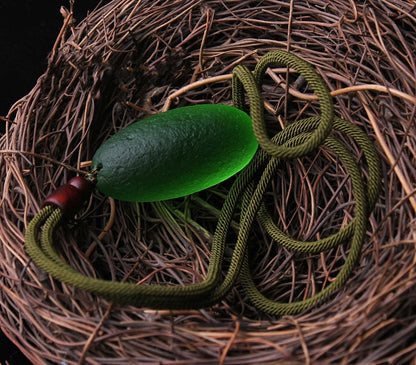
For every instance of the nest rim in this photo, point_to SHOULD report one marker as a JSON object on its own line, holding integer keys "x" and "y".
{"x": 228, "y": 338}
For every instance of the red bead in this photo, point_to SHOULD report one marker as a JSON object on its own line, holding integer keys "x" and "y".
{"x": 80, "y": 183}
{"x": 70, "y": 196}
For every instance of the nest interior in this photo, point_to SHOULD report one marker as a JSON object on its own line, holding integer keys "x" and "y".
{"x": 129, "y": 59}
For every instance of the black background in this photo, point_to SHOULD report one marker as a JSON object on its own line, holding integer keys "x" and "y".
{"x": 28, "y": 29}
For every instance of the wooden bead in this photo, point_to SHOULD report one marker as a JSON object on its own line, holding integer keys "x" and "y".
{"x": 70, "y": 196}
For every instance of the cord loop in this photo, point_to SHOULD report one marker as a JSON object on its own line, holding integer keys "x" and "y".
{"x": 295, "y": 141}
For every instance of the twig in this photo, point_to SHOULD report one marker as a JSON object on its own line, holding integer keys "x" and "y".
{"x": 409, "y": 190}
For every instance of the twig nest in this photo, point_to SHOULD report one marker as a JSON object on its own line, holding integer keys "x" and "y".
{"x": 121, "y": 64}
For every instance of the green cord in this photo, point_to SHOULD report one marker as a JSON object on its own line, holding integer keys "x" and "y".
{"x": 297, "y": 140}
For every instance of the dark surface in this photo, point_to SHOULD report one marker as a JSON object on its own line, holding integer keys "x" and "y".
{"x": 28, "y": 29}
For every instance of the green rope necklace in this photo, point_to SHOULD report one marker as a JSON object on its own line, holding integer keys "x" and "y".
{"x": 297, "y": 140}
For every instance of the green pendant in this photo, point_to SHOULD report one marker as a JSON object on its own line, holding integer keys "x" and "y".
{"x": 176, "y": 153}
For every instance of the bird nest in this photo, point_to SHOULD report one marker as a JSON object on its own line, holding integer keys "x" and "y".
{"x": 129, "y": 59}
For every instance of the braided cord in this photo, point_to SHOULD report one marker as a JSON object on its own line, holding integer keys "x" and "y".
{"x": 297, "y": 140}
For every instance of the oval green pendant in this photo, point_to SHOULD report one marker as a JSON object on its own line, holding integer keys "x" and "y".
{"x": 175, "y": 153}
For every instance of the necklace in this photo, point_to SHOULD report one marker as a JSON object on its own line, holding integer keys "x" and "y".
{"x": 165, "y": 180}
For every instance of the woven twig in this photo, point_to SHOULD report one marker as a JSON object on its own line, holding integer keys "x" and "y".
{"x": 132, "y": 58}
